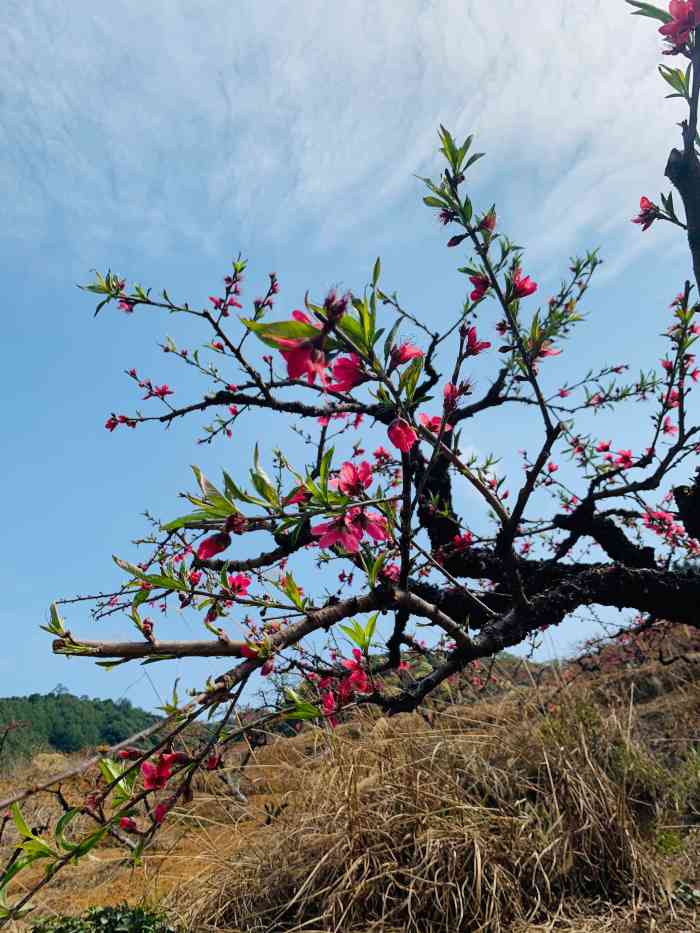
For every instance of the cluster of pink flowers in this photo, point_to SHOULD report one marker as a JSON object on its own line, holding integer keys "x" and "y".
{"x": 684, "y": 19}
{"x": 433, "y": 423}
{"x": 664, "y": 525}
{"x": 382, "y": 456}
{"x": 348, "y": 529}
{"x": 155, "y": 391}
{"x": 391, "y": 572}
{"x": 353, "y": 480}
{"x": 463, "y": 542}
{"x": 336, "y": 692}
{"x": 114, "y": 420}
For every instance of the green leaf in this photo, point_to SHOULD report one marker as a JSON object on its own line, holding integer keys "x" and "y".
{"x": 211, "y": 493}
{"x": 61, "y": 826}
{"x": 261, "y": 480}
{"x": 55, "y": 626}
{"x": 324, "y": 470}
{"x": 474, "y": 158}
{"x": 375, "y": 568}
{"x": 292, "y": 590}
{"x": 410, "y": 376}
{"x": 353, "y": 330}
{"x": 448, "y": 148}
{"x": 289, "y": 330}
{"x": 84, "y": 847}
{"x": 674, "y": 77}
{"x": 646, "y": 9}
{"x": 108, "y": 665}
{"x": 301, "y": 708}
{"x": 391, "y": 337}
{"x": 434, "y": 202}
{"x": 370, "y": 627}
{"x": 19, "y": 821}
{"x": 376, "y": 271}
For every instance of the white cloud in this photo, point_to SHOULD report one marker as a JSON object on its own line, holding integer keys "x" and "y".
{"x": 178, "y": 120}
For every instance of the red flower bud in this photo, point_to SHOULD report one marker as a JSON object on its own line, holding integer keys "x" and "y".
{"x": 213, "y": 545}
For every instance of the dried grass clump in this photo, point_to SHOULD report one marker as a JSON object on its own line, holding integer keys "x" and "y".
{"x": 470, "y": 825}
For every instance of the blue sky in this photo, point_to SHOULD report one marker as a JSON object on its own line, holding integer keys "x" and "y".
{"x": 161, "y": 141}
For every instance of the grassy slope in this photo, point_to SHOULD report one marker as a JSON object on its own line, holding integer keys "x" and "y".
{"x": 579, "y": 803}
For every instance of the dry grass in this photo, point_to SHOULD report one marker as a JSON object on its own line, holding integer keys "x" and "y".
{"x": 496, "y": 818}
{"x": 539, "y": 812}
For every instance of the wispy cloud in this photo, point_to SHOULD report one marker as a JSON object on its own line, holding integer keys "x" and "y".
{"x": 172, "y": 122}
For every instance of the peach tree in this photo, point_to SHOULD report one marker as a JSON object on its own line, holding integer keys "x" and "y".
{"x": 620, "y": 530}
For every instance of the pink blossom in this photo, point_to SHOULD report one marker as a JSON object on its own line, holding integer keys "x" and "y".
{"x": 547, "y": 350}
{"x": 648, "y": 213}
{"x": 673, "y": 398}
{"x": 403, "y": 354}
{"x": 463, "y": 541}
{"x": 371, "y": 523}
{"x": 358, "y": 676}
{"x": 552, "y": 467}
{"x": 402, "y": 435}
{"x": 128, "y": 824}
{"x": 684, "y": 21}
{"x": 338, "y": 531}
{"x": 669, "y": 427}
{"x": 433, "y": 423}
{"x": 213, "y": 545}
{"x": 353, "y": 480}
{"x": 391, "y": 572}
{"x": 624, "y": 459}
{"x": 268, "y": 667}
{"x": 155, "y": 776}
{"x": 488, "y": 222}
{"x": 298, "y": 495}
{"x": 249, "y": 651}
{"x": 523, "y": 285}
{"x": 157, "y": 391}
{"x": 603, "y": 446}
{"x": 481, "y": 285}
{"x": 348, "y": 372}
{"x": 162, "y": 810}
{"x": 306, "y": 360}
{"x": 238, "y": 584}
{"x": 451, "y": 393}
{"x": 564, "y": 393}
{"x": 474, "y": 345}
{"x": 381, "y": 455}
{"x": 329, "y": 707}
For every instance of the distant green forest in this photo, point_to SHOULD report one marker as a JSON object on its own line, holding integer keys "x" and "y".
{"x": 61, "y": 722}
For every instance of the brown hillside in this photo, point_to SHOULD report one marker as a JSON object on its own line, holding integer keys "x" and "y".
{"x": 558, "y": 807}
